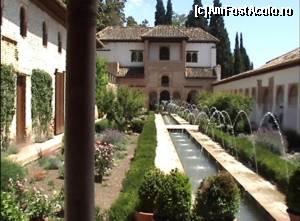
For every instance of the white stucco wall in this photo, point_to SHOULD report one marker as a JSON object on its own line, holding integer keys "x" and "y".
{"x": 285, "y": 77}
{"x": 30, "y": 50}
{"x": 206, "y": 54}
{"x": 121, "y": 52}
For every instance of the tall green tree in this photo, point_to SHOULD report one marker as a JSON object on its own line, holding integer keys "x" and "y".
{"x": 160, "y": 13}
{"x": 224, "y": 55}
{"x": 169, "y": 13}
{"x": 145, "y": 23}
{"x": 237, "y": 56}
{"x": 110, "y": 13}
{"x": 192, "y": 21}
{"x": 179, "y": 20}
{"x": 131, "y": 21}
{"x": 245, "y": 61}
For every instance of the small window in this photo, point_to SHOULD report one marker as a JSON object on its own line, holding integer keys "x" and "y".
{"x": 59, "y": 42}
{"x": 192, "y": 56}
{"x": 23, "y": 22}
{"x": 137, "y": 56}
{"x": 164, "y": 53}
{"x": 45, "y": 34}
{"x": 165, "y": 81}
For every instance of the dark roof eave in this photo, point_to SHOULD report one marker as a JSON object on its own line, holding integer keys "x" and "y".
{"x": 54, "y": 8}
{"x": 260, "y": 71}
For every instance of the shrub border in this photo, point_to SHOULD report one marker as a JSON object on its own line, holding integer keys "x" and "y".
{"x": 124, "y": 207}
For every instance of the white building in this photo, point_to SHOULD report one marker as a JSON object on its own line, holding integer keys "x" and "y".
{"x": 165, "y": 62}
{"x": 33, "y": 36}
{"x": 274, "y": 87}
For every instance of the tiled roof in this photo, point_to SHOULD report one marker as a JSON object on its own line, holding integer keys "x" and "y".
{"x": 131, "y": 72}
{"x": 290, "y": 56}
{"x": 196, "y": 34}
{"x": 121, "y": 33}
{"x": 196, "y": 72}
{"x": 137, "y": 33}
{"x": 165, "y": 31}
{"x": 289, "y": 59}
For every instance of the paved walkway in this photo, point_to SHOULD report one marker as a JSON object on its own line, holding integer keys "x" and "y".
{"x": 266, "y": 194}
{"x": 32, "y": 152}
{"x": 166, "y": 157}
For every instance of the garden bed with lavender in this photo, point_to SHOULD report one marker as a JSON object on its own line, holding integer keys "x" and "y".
{"x": 42, "y": 181}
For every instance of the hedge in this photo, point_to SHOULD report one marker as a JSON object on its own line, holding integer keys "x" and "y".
{"x": 124, "y": 207}
{"x": 270, "y": 165}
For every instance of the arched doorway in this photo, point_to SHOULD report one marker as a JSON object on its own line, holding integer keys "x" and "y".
{"x": 265, "y": 101}
{"x": 164, "y": 96}
{"x": 192, "y": 97}
{"x": 152, "y": 100}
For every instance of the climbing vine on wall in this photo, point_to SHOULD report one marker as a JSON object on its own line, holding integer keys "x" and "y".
{"x": 41, "y": 104}
{"x": 8, "y": 94}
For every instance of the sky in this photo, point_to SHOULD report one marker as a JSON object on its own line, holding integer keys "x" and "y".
{"x": 264, "y": 38}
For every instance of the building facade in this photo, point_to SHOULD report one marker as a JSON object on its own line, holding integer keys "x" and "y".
{"x": 274, "y": 87}
{"x": 165, "y": 62}
{"x": 33, "y": 36}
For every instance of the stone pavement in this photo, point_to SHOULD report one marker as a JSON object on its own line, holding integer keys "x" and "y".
{"x": 32, "y": 152}
{"x": 264, "y": 193}
{"x": 166, "y": 157}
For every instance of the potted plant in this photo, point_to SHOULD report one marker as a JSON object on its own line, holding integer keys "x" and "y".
{"x": 174, "y": 198}
{"x": 148, "y": 192}
{"x": 293, "y": 196}
{"x": 218, "y": 198}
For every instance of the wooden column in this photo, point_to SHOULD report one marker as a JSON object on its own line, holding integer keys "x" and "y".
{"x": 80, "y": 101}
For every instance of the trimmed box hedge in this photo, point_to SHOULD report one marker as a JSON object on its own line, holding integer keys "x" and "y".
{"x": 270, "y": 165}
{"x": 125, "y": 206}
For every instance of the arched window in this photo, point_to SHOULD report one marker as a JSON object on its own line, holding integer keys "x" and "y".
{"x": 45, "y": 34}
{"x": 164, "y": 53}
{"x": 165, "y": 81}
{"x": 23, "y": 22}
{"x": 293, "y": 95}
{"x": 192, "y": 97}
{"x": 59, "y": 42}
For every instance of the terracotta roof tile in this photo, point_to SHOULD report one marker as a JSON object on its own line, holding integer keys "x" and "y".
{"x": 165, "y": 31}
{"x": 121, "y": 33}
{"x": 118, "y": 33}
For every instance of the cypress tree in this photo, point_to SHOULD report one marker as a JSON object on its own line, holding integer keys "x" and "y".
{"x": 245, "y": 61}
{"x": 237, "y": 56}
{"x": 159, "y": 13}
{"x": 192, "y": 21}
{"x": 224, "y": 55}
{"x": 169, "y": 13}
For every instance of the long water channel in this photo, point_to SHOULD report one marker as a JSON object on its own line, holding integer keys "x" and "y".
{"x": 198, "y": 165}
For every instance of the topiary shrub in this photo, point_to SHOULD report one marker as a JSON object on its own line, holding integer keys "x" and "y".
{"x": 218, "y": 198}
{"x": 149, "y": 189}
{"x": 10, "y": 170}
{"x": 293, "y": 195}
{"x": 41, "y": 102}
{"x": 7, "y": 101}
{"x": 174, "y": 198}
